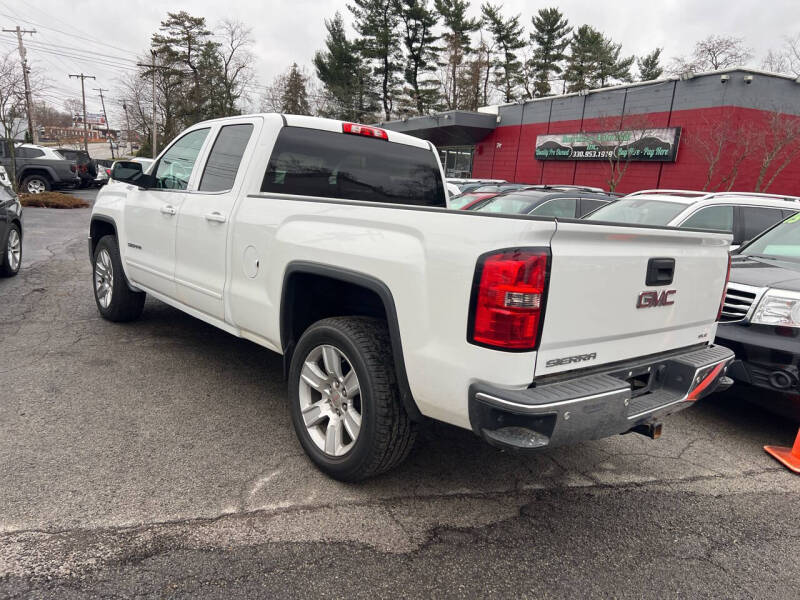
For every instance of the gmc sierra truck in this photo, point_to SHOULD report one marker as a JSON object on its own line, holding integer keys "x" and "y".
{"x": 332, "y": 244}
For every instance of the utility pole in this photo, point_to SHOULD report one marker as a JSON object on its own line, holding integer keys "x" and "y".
{"x": 83, "y": 77}
{"x": 34, "y": 136}
{"x": 128, "y": 142}
{"x": 152, "y": 66}
{"x": 108, "y": 125}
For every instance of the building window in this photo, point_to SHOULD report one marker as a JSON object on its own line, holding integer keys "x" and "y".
{"x": 457, "y": 161}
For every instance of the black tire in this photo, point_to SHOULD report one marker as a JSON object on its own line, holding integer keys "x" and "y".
{"x": 6, "y": 268}
{"x": 387, "y": 434}
{"x": 45, "y": 183}
{"x": 125, "y": 304}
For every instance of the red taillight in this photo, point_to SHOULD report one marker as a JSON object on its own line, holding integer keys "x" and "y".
{"x": 372, "y": 132}
{"x": 508, "y": 299}
{"x": 724, "y": 289}
{"x": 108, "y": 172}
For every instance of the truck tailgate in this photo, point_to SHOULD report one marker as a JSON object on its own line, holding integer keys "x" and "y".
{"x": 599, "y": 307}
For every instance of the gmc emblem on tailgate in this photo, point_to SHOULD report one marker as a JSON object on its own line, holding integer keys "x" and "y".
{"x": 650, "y": 299}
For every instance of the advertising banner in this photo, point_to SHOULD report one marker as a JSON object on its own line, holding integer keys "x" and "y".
{"x": 650, "y": 145}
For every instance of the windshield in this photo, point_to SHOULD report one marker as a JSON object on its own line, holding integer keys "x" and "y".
{"x": 636, "y": 211}
{"x": 781, "y": 242}
{"x": 507, "y": 203}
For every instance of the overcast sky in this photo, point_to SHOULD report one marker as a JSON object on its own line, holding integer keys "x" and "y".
{"x": 117, "y": 32}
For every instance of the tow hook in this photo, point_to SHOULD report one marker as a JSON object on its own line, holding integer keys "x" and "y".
{"x": 651, "y": 430}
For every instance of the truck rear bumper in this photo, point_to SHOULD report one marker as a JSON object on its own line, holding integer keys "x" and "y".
{"x": 599, "y": 405}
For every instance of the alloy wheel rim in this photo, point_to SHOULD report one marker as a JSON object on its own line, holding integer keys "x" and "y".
{"x": 330, "y": 400}
{"x": 14, "y": 250}
{"x": 103, "y": 278}
{"x": 36, "y": 186}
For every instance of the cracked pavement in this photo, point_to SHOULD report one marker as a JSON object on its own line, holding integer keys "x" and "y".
{"x": 157, "y": 458}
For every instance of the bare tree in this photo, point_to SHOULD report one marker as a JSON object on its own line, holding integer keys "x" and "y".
{"x": 616, "y": 145}
{"x": 12, "y": 105}
{"x": 722, "y": 144}
{"x": 712, "y": 54}
{"x": 237, "y": 61}
{"x": 777, "y": 145}
{"x": 785, "y": 59}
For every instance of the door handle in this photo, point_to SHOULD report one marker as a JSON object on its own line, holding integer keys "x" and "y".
{"x": 168, "y": 209}
{"x": 216, "y": 216}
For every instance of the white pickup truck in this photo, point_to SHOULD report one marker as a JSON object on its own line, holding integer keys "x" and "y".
{"x": 331, "y": 243}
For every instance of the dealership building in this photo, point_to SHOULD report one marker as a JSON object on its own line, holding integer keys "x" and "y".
{"x": 697, "y": 131}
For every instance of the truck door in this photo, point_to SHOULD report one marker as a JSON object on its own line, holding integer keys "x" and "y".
{"x": 151, "y": 216}
{"x": 203, "y": 222}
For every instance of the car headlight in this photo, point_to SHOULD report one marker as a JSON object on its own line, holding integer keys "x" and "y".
{"x": 778, "y": 307}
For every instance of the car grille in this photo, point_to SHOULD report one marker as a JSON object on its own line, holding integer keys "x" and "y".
{"x": 738, "y": 301}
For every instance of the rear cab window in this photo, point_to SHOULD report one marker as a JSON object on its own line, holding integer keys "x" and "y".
{"x": 329, "y": 164}
{"x": 225, "y": 157}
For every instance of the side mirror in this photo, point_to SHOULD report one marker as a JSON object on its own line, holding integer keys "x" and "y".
{"x": 128, "y": 172}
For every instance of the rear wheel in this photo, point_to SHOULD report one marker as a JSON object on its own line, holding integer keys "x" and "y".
{"x": 114, "y": 299}
{"x": 345, "y": 403}
{"x": 12, "y": 255}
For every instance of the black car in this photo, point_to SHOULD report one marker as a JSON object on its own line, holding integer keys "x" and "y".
{"x": 760, "y": 318}
{"x": 87, "y": 166}
{"x": 10, "y": 232}
{"x": 567, "y": 202}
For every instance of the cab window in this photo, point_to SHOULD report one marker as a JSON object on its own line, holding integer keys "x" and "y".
{"x": 175, "y": 167}
{"x": 225, "y": 157}
{"x": 757, "y": 219}
{"x": 560, "y": 207}
{"x": 718, "y": 218}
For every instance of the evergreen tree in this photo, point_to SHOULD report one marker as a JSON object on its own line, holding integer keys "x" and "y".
{"x": 456, "y": 37}
{"x": 594, "y": 61}
{"x": 347, "y": 79}
{"x": 180, "y": 46}
{"x": 294, "y": 99}
{"x": 550, "y": 39}
{"x": 377, "y": 22}
{"x": 418, "y": 23}
{"x": 649, "y": 66}
{"x": 610, "y": 67}
{"x": 508, "y": 38}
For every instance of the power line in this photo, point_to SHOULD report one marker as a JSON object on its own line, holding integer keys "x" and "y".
{"x": 84, "y": 37}
{"x": 25, "y": 72}
{"x": 83, "y": 78}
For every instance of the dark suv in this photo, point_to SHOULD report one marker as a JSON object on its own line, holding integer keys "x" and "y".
{"x": 10, "y": 232}
{"x": 38, "y": 169}
{"x": 565, "y": 201}
{"x": 760, "y": 319}
{"x": 87, "y": 166}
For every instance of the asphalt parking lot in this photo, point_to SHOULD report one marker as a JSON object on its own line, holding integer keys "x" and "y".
{"x": 157, "y": 458}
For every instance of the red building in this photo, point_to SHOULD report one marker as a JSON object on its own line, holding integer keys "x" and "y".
{"x": 734, "y": 129}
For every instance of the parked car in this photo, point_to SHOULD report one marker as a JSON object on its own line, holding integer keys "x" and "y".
{"x": 566, "y": 202}
{"x": 39, "y": 168}
{"x": 10, "y": 231}
{"x": 87, "y": 166}
{"x": 761, "y": 316}
{"x": 744, "y": 215}
{"x": 467, "y": 199}
{"x": 465, "y": 185}
{"x": 331, "y": 243}
{"x": 103, "y": 169}
{"x": 4, "y": 178}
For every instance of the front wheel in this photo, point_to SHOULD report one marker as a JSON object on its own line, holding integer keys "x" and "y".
{"x": 345, "y": 404}
{"x": 12, "y": 257}
{"x": 115, "y": 300}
